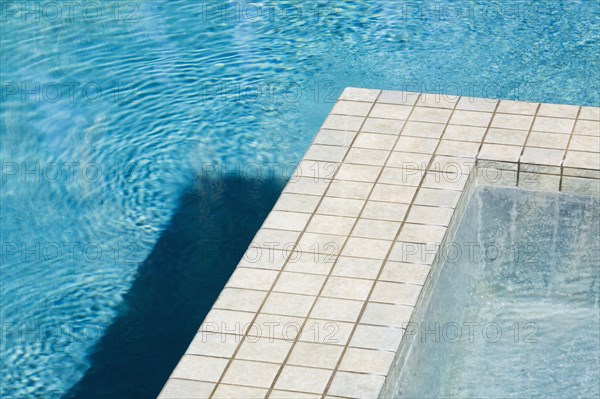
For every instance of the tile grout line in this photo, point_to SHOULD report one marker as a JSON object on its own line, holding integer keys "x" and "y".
{"x": 366, "y": 302}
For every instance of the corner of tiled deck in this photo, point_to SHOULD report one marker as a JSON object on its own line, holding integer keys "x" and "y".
{"x": 316, "y": 307}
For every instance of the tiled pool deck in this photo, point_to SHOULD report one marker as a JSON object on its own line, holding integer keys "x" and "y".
{"x": 316, "y": 307}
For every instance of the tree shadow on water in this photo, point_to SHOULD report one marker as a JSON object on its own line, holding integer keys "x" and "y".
{"x": 175, "y": 287}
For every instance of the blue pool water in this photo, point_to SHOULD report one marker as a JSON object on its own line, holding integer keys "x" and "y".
{"x": 516, "y": 315}
{"x": 143, "y": 142}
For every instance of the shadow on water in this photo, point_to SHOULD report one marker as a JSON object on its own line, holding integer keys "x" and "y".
{"x": 176, "y": 287}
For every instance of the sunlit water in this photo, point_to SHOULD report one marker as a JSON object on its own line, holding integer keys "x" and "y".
{"x": 114, "y": 115}
{"x": 516, "y": 317}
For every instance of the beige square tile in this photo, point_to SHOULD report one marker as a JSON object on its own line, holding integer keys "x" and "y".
{"x": 261, "y": 349}
{"x": 458, "y": 148}
{"x": 303, "y": 379}
{"x": 446, "y": 181}
{"x": 351, "y": 385}
{"x": 334, "y": 137}
{"x": 464, "y": 133}
{"x": 585, "y": 143}
{"x": 347, "y": 288}
{"x": 271, "y": 258}
{"x": 451, "y": 164}
{"x": 367, "y": 361}
{"x": 357, "y": 267}
{"x": 434, "y": 115}
{"x": 330, "y": 224}
{"x": 358, "y": 172}
{"x": 272, "y": 327}
{"x": 331, "y": 332}
{"x": 297, "y": 203}
{"x": 405, "y": 272}
{"x": 283, "y": 220}
{"x": 350, "y": 189}
{"x": 390, "y": 192}
{"x": 476, "y": 104}
{"x": 359, "y": 94}
{"x": 585, "y": 160}
{"x": 434, "y": 197}
{"x": 226, "y": 321}
{"x": 343, "y": 122}
{"x": 511, "y": 121}
{"x": 548, "y": 140}
{"x": 590, "y": 113}
{"x": 375, "y": 141}
{"x": 253, "y": 279}
{"x": 416, "y": 144}
{"x": 587, "y": 128}
{"x": 366, "y": 248}
{"x": 317, "y": 170}
{"x": 299, "y": 283}
{"x": 213, "y": 344}
{"x": 384, "y": 126}
{"x": 471, "y": 118}
{"x": 278, "y": 239}
{"x": 553, "y": 125}
{"x": 326, "y": 244}
{"x": 386, "y": 315}
{"x": 253, "y": 374}
{"x": 184, "y": 389}
{"x": 398, "y": 97}
{"x": 200, "y": 368}
{"x": 288, "y": 304}
{"x": 225, "y": 391}
{"x": 423, "y": 129}
{"x": 307, "y": 185}
{"x": 310, "y": 354}
{"x": 405, "y": 176}
{"x": 420, "y": 233}
{"x": 240, "y": 299}
{"x": 336, "y": 309}
{"x": 500, "y": 152}
{"x": 396, "y": 293}
{"x": 506, "y": 136}
{"x": 390, "y": 111}
{"x": 437, "y": 100}
{"x": 517, "y": 107}
{"x": 355, "y": 108}
{"x": 410, "y": 252}
{"x": 430, "y": 215}
{"x": 409, "y": 162}
{"x": 393, "y": 212}
{"x": 558, "y": 110}
{"x": 340, "y": 206}
{"x": 381, "y": 229}
{"x": 310, "y": 262}
{"x": 542, "y": 156}
{"x": 376, "y": 337}
{"x": 365, "y": 156}
{"x": 327, "y": 153}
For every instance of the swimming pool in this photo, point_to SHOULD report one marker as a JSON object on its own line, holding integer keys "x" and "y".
{"x": 138, "y": 138}
{"x": 513, "y": 310}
